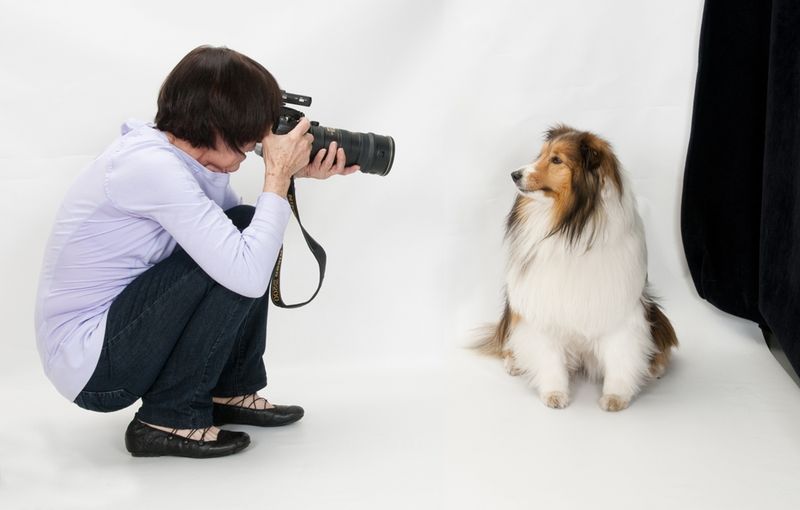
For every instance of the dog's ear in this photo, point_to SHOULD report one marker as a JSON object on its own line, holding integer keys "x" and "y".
{"x": 591, "y": 152}
{"x": 598, "y": 159}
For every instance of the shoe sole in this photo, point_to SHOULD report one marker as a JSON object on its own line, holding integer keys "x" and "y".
{"x": 208, "y": 456}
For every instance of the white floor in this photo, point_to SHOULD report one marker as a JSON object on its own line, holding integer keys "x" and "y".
{"x": 719, "y": 431}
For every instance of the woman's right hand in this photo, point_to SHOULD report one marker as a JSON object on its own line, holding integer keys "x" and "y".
{"x": 284, "y": 155}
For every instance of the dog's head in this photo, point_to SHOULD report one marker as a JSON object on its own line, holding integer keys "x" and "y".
{"x": 572, "y": 168}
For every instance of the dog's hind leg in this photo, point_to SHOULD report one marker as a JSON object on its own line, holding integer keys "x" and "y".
{"x": 664, "y": 338}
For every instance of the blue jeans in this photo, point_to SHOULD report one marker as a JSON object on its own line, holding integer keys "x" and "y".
{"x": 175, "y": 338}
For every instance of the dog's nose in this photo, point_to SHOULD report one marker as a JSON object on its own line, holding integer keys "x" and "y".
{"x": 516, "y": 175}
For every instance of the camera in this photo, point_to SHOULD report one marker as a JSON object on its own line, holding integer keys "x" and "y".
{"x": 373, "y": 153}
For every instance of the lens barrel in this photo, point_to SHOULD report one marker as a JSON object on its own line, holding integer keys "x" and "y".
{"x": 373, "y": 153}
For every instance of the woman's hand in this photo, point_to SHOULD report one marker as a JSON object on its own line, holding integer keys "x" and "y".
{"x": 326, "y": 163}
{"x": 284, "y": 155}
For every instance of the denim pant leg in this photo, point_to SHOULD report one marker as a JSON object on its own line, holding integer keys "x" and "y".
{"x": 180, "y": 396}
{"x": 244, "y": 372}
{"x": 169, "y": 337}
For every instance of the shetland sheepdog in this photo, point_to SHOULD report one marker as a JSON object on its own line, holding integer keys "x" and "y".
{"x": 576, "y": 277}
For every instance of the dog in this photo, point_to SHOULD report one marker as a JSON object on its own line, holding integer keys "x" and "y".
{"x": 576, "y": 294}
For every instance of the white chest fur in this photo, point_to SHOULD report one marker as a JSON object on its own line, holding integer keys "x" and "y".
{"x": 575, "y": 290}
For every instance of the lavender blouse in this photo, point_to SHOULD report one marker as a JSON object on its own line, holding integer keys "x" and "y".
{"x": 126, "y": 212}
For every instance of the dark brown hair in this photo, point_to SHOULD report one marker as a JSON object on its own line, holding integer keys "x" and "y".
{"x": 218, "y": 92}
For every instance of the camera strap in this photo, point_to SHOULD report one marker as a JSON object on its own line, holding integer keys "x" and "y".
{"x": 316, "y": 250}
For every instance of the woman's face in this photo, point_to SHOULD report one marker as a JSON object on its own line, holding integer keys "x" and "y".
{"x": 223, "y": 159}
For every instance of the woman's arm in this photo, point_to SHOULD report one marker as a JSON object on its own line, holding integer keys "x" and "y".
{"x": 158, "y": 186}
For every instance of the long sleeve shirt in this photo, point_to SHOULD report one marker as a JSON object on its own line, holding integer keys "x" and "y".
{"x": 125, "y": 213}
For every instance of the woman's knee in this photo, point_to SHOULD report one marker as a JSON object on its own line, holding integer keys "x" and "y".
{"x": 105, "y": 401}
{"x": 241, "y": 215}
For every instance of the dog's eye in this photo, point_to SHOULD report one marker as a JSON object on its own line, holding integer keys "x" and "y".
{"x": 555, "y": 160}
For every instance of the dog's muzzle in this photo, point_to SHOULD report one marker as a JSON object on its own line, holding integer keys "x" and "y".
{"x": 518, "y": 175}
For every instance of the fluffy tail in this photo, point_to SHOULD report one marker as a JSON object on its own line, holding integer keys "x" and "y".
{"x": 664, "y": 338}
{"x": 492, "y": 341}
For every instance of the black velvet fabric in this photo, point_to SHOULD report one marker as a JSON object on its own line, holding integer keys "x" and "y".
{"x": 740, "y": 215}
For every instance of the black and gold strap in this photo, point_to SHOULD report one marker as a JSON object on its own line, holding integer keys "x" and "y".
{"x": 316, "y": 250}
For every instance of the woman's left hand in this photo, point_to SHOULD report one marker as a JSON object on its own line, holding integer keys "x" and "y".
{"x": 326, "y": 163}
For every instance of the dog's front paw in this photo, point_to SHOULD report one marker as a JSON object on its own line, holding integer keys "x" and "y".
{"x": 555, "y": 399}
{"x": 613, "y": 403}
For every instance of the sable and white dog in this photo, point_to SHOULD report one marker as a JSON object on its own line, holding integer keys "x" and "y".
{"x": 576, "y": 275}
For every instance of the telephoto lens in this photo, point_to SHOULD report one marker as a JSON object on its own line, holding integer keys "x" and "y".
{"x": 373, "y": 153}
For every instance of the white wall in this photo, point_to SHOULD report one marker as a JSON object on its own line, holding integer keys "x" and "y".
{"x": 466, "y": 88}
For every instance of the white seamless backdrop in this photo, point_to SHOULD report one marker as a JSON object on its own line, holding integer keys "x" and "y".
{"x": 466, "y": 88}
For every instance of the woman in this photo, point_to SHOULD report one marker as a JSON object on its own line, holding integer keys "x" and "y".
{"x": 154, "y": 279}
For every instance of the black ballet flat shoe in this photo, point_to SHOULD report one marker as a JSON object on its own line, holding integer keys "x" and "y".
{"x": 144, "y": 441}
{"x": 275, "y": 417}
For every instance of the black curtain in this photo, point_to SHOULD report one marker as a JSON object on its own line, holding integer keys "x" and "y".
{"x": 740, "y": 213}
